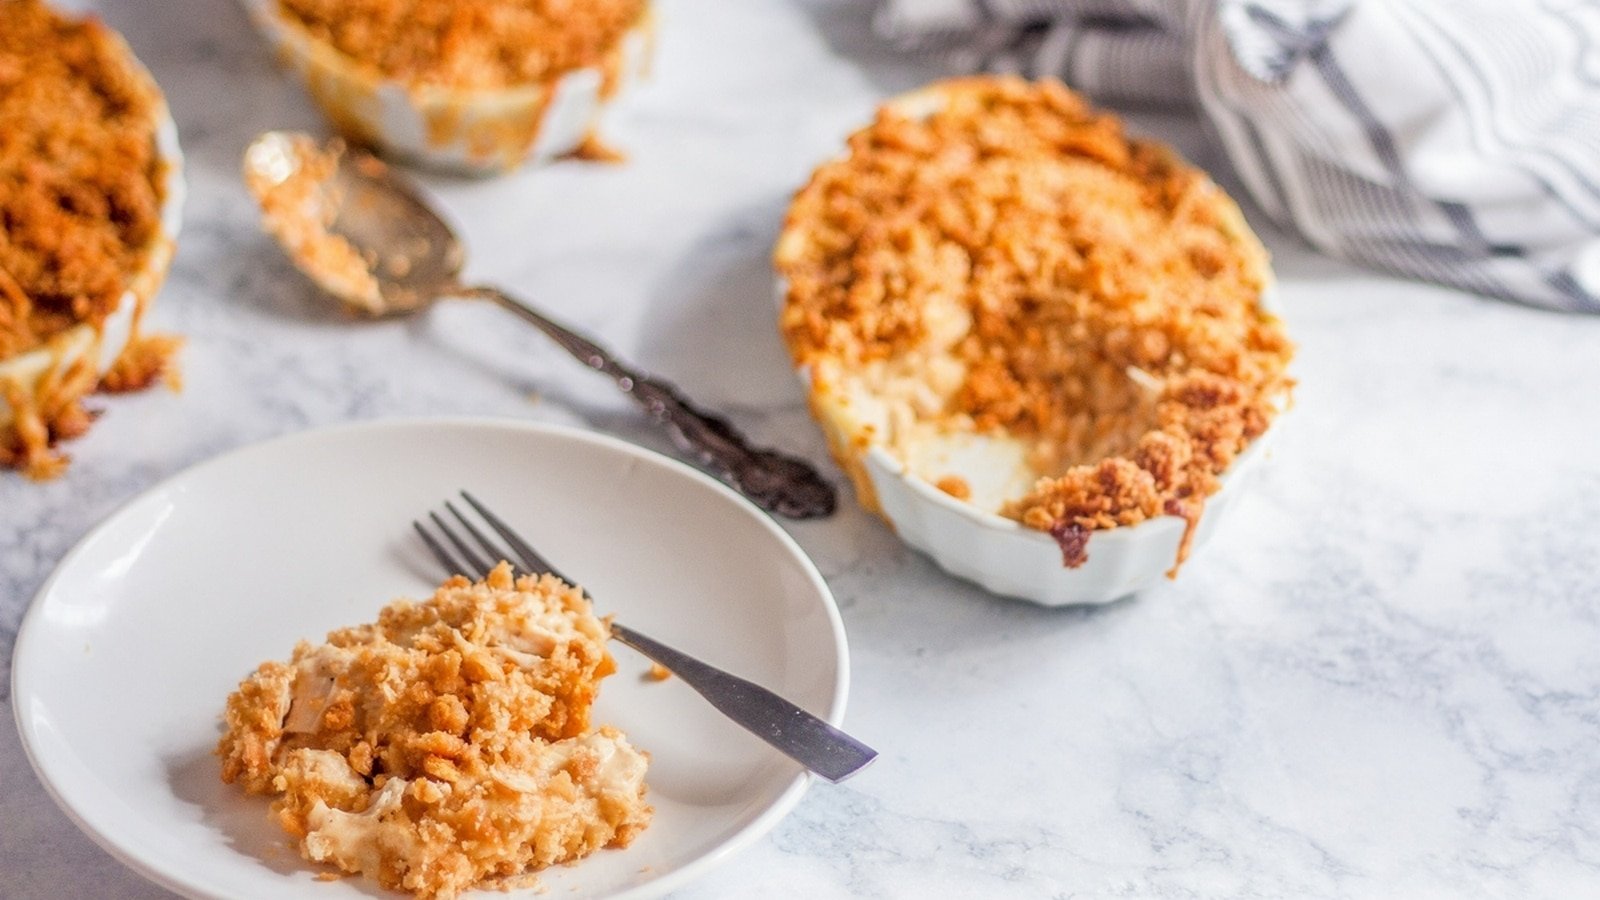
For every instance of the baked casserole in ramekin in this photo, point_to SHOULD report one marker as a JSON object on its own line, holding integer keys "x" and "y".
{"x": 478, "y": 86}
{"x": 1040, "y": 348}
{"x": 91, "y": 194}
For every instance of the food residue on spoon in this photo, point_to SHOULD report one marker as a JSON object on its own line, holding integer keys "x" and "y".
{"x": 293, "y": 180}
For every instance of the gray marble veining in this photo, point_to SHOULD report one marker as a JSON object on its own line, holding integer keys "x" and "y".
{"x": 1381, "y": 679}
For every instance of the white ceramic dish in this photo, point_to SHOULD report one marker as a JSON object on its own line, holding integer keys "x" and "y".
{"x": 63, "y": 351}
{"x": 969, "y": 539}
{"x": 1011, "y": 560}
{"x": 479, "y": 132}
{"x": 129, "y": 650}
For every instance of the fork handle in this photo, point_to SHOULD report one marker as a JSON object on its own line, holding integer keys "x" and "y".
{"x": 775, "y": 481}
{"x": 800, "y": 735}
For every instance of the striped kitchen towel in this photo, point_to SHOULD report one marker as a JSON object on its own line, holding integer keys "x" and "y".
{"x": 1452, "y": 140}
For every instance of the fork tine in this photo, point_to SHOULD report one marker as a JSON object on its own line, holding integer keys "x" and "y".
{"x": 811, "y": 741}
{"x": 479, "y": 567}
{"x": 495, "y": 552}
{"x": 449, "y": 563}
{"x": 530, "y": 557}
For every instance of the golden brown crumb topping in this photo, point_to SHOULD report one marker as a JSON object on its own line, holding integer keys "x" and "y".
{"x": 80, "y": 179}
{"x": 1105, "y": 295}
{"x": 471, "y": 44}
{"x": 446, "y": 746}
{"x": 955, "y": 486}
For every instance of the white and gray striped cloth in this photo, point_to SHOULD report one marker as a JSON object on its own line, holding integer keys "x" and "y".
{"x": 1452, "y": 140}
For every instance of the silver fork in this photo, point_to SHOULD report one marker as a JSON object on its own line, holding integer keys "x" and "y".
{"x": 800, "y": 735}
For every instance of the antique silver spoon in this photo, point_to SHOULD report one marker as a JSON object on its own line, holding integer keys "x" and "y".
{"x": 367, "y": 238}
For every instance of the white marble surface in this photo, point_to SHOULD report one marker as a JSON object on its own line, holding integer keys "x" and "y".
{"x": 1381, "y": 680}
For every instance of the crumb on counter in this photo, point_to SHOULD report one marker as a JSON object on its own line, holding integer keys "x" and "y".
{"x": 595, "y": 149}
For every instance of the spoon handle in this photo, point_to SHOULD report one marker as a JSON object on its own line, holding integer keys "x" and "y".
{"x": 774, "y": 481}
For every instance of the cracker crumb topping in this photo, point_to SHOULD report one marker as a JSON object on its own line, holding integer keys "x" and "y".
{"x": 80, "y": 180}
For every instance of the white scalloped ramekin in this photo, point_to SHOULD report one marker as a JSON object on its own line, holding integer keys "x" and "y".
{"x": 1006, "y": 557}
{"x": 47, "y": 365}
{"x": 1012, "y": 560}
{"x": 477, "y": 132}
{"x": 1001, "y": 555}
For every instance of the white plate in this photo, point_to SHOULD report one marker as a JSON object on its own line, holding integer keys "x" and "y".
{"x": 131, "y": 647}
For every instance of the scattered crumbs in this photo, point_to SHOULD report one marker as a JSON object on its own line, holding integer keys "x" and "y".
{"x": 955, "y": 486}
{"x": 329, "y": 876}
{"x": 656, "y": 672}
{"x": 145, "y": 360}
{"x": 593, "y": 149}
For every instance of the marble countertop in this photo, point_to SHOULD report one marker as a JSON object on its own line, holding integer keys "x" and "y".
{"x": 1381, "y": 678}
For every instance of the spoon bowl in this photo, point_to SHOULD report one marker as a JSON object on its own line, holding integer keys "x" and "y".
{"x": 368, "y": 238}
{"x": 409, "y": 250}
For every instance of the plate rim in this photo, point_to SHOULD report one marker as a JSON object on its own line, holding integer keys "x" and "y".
{"x": 696, "y": 868}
